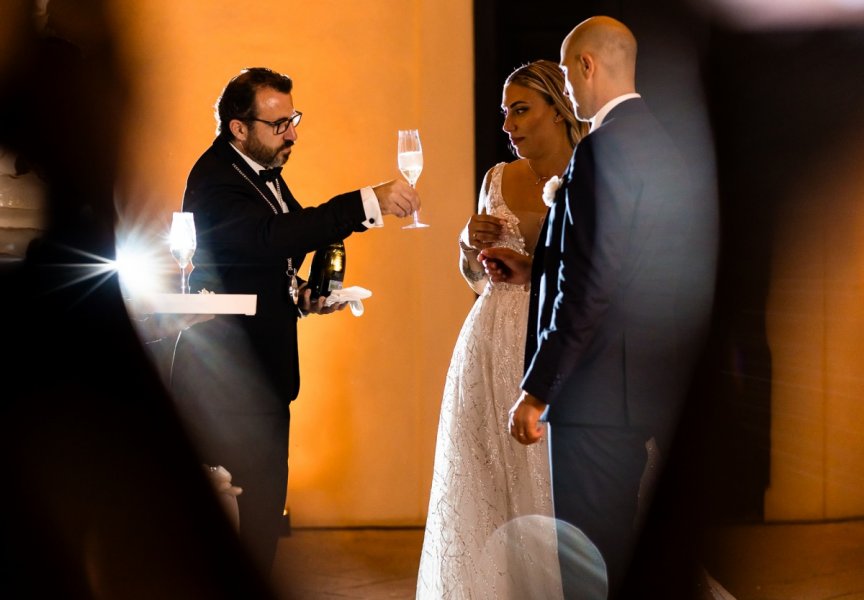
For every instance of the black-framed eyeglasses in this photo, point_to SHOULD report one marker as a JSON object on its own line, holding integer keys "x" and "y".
{"x": 281, "y": 126}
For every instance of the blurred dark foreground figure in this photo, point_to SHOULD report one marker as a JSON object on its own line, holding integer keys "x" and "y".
{"x": 103, "y": 495}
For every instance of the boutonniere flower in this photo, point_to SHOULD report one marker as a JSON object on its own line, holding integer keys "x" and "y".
{"x": 550, "y": 189}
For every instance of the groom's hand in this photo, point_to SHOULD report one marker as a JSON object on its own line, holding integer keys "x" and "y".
{"x": 525, "y": 419}
{"x": 504, "y": 265}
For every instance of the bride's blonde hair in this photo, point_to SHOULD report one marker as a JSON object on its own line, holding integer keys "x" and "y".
{"x": 546, "y": 78}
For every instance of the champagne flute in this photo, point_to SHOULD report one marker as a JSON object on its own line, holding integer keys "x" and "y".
{"x": 410, "y": 158}
{"x": 182, "y": 242}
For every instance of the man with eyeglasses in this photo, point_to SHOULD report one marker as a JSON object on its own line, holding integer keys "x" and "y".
{"x": 233, "y": 377}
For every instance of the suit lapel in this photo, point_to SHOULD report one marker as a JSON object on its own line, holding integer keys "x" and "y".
{"x": 288, "y": 197}
{"x": 264, "y": 191}
{"x": 252, "y": 178}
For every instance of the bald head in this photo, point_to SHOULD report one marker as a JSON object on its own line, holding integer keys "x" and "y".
{"x": 599, "y": 57}
{"x": 610, "y": 42}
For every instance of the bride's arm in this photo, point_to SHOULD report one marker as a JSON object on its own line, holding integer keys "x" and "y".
{"x": 469, "y": 265}
{"x": 471, "y": 268}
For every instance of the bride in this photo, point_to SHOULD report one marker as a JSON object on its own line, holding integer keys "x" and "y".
{"x": 483, "y": 479}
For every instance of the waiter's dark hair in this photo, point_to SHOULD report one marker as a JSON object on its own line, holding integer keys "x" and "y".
{"x": 238, "y": 98}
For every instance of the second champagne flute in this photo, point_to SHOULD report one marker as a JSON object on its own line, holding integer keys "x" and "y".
{"x": 182, "y": 243}
{"x": 410, "y": 158}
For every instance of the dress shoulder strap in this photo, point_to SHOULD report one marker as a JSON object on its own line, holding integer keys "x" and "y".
{"x": 490, "y": 196}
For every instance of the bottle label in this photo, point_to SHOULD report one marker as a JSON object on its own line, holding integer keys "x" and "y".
{"x": 334, "y": 285}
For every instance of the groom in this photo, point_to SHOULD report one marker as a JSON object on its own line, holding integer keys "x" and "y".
{"x": 622, "y": 281}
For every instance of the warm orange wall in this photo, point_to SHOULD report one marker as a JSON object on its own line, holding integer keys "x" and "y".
{"x": 363, "y": 429}
{"x": 816, "y": 336}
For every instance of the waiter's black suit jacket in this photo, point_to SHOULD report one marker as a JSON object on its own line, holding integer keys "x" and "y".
{"x": 243, "y": 242}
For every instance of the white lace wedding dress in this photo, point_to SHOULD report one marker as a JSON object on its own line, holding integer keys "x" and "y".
{"x": 475, "y": 544}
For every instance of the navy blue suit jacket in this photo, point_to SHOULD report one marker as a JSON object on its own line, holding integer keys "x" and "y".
{"x": 622, "y": 279}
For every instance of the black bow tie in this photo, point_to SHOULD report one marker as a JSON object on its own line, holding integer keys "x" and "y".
{"x": 270, "y": 174}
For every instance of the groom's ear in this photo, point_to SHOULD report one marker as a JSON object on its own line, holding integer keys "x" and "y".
{"x": 587, "y": 65}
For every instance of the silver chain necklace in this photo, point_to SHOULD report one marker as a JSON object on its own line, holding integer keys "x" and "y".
{"x": 291, "y": 272}
{"x": 539, "y": 177}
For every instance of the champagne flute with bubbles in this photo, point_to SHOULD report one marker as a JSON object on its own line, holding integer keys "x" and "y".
{"x": 182, "y": 242}
{"x": 410, "y": 159}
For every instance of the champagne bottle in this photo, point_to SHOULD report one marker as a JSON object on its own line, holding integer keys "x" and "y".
{"x": 328, "y": 270}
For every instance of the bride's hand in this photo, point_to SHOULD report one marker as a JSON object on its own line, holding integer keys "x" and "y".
{"x": 482, "y": 231}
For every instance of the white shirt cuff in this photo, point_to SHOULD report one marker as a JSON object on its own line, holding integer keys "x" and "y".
{"x": 371, "y": 208}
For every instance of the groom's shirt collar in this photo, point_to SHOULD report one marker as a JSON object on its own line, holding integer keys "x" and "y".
{"x": 597, "y": 120}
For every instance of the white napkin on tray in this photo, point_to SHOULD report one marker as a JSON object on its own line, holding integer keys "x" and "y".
{"x": 353, "y": 295}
